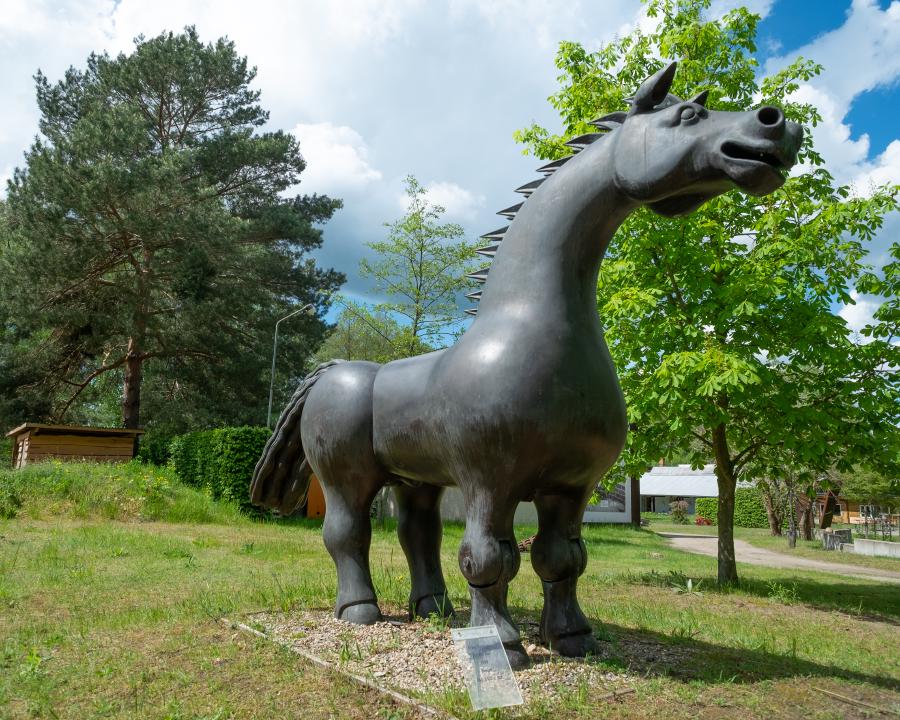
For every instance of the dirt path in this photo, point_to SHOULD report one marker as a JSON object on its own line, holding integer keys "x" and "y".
{"x": 745, "y": 552}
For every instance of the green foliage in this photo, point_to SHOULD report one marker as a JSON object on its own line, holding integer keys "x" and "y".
{"x": 421, "y": 267}
{"x": 129, "y": 491}
{"x": 721, "y": 323}
{"x": 707, "y": 508}
{"x": 6, "y": 447}
{"x": 749, "y": 511}
{"x": 155, "y": 447}
{"x": 866, "y": 485}
{"x": 679, "y": 512}
{"x": 148, "y": 242}
{"x": 220, "y": 461}
{"x": 364, "y": 334}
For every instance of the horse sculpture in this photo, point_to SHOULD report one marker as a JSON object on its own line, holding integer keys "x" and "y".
{"x": 526, "y": 405}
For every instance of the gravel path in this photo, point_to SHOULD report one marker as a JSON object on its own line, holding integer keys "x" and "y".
{"x": 747, "y": 553}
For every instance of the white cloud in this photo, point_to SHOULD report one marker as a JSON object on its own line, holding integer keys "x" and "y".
{"x": 337, "y": 158}
{"x": 861, "y": 55}
{"x": 860, "y": 314}
{"x": 885, "y": 169}
{"x": 460, "y": 204}
{"x": 759, "y": 7}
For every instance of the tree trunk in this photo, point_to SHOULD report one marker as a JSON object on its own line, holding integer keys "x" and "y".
{"x": 805, "y": 506}
{"x": 131, "y": 392}
{"x": 727, "y": 484}
{"x": 636, "y": 500}
{"x": 773, "y": 512}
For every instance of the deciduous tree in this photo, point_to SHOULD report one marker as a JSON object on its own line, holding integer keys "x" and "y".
{"x": 722, "y": 323}
{"x": 421, "y": 268}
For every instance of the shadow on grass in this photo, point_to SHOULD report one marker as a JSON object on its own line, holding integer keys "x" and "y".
{"x": 685, "y": 658}
{"x": 689, "y": 659}
{"x": 875, "y": 602}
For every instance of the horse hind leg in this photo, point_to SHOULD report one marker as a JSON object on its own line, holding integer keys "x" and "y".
{"x": 347, "y": 533}
{"x": 559, "y": 557}
{"x": 337, "y": 435}
{"x": 420, "y": 531}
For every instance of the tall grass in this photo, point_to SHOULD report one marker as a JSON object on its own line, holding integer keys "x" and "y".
{"x": 130, "y": 491}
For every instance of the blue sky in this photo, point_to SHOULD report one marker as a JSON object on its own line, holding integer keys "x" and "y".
{"x": 378, "y": 89}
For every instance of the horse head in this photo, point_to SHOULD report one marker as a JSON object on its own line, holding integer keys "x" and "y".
{"x": 673, "y": 155}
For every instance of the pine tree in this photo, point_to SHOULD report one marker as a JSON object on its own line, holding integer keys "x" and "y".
{"x": 148, "y": 235}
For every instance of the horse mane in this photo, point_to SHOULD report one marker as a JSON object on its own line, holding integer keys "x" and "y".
{"x": 605, "y": 125}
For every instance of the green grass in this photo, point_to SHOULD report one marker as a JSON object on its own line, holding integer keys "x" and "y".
{"x": 131, "y": 491}
{"x": 120, "y": 618}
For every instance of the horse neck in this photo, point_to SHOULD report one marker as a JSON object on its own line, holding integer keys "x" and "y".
{"x": 547, "y": 265}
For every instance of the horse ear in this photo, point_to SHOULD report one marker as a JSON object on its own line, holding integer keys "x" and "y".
{"x": 700, "y": 98}
{"x": 654, "y": 89}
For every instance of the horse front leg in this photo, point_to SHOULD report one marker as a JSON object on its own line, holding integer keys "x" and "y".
{"x": 489, "y": 559}
{"x": 559, "y": 557}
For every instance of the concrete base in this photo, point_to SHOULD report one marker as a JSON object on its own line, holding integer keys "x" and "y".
{"x": 877, "y": 548}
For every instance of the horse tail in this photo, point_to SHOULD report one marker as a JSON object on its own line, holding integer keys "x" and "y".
{"x": 282, "y": 475}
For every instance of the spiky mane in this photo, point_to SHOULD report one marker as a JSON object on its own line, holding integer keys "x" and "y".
{"x": 604, "y": 125}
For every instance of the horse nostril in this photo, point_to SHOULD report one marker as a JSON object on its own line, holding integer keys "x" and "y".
{"x": 770, "y": 115}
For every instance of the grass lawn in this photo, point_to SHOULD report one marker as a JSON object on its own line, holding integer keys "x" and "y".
{"x": 118, "y": 616}
{"x": 811, "y": 549}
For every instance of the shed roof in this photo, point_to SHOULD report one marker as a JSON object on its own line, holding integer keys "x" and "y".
{"x": 70, "y": 430}
{"x": 680, "y": 481}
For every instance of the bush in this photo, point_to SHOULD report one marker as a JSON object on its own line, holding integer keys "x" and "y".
{"x": 220, "y": 461}
{"x": 125, "y": 491}
{"x": 6, "y": 446}
{"x": 679, "y": 512}
{"x": 749, "y": 511}
{"x": 154, "y": 447}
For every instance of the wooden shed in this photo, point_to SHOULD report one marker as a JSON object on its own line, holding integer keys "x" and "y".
{"x": 33, "y": 442}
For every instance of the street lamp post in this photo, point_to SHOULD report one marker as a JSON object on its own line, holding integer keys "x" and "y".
{"x": 305, "y": 308}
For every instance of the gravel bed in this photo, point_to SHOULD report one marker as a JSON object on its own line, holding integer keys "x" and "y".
{"x": 418, "y": 658}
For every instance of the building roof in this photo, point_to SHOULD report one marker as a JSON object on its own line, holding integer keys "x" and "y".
{"x": 70, "y": 430}
{"x": 680, "y": 481}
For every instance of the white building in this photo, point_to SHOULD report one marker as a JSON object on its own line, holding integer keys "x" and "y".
{"x": 665, "y": 484}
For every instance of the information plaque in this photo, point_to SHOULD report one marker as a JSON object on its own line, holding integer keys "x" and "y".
{"x": 485, "y": 667}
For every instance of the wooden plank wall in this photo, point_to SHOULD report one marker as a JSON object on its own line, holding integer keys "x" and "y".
{"x": 79, "y": 447}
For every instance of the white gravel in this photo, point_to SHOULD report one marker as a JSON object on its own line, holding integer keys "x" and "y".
{"x": 418, "y": 658}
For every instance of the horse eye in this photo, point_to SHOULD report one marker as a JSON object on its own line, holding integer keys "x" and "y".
{"x": 688, "y": 113}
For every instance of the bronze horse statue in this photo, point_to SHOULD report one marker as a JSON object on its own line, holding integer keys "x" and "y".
{"x": 526, "y": 405}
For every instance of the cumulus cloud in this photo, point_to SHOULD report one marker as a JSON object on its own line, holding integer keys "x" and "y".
{"x": 458, "y": 203}
{"x": 337, "y": 158}
{"x": 861, "y": 55}
{"x": 859, "y": 314}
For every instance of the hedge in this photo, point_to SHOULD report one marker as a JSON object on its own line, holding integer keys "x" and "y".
{"x": 155, "y": 447}
{"x": 219, "y": 461}
{"x": 749, "y": 511}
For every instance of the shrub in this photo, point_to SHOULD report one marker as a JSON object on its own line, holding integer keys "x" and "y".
{"x": 154, "y": 447}
{"x": 707, "y": 508}
{"x": 220, "y": 461}
{"x": 679, "y": 510}
{"x": 749, "y": 511}
{"x": 6, "y": 446}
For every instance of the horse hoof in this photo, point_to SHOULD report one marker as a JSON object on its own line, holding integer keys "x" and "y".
{"x": 576, "y": 645}
{"x": 361, "y": 614}
{"x": 518, "y": 658}
{"x": 433, "y": 605}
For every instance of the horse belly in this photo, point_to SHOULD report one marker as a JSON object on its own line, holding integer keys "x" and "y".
{"x": 431, "y": 429}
